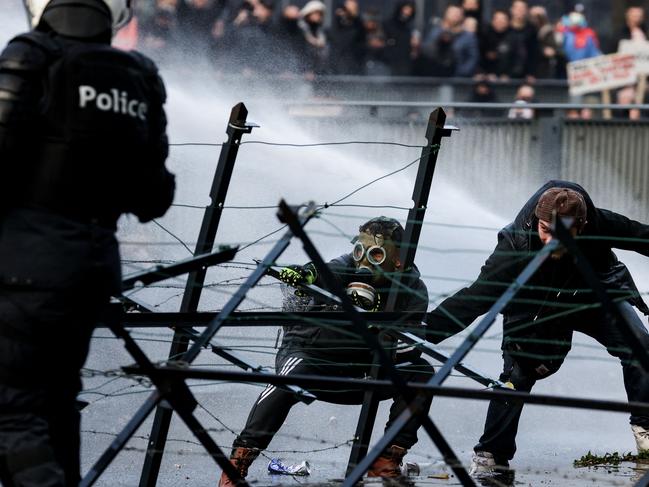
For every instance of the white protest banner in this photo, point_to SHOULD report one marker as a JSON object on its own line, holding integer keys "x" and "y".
{"x": 641, "y": 51}
{"x": 601, "y": 73}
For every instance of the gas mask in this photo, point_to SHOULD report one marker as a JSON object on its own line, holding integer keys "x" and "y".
{"x": 360, "y": 290}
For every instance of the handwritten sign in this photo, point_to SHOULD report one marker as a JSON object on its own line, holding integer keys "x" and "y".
{"x": 641, "y": 51}
{"x": 601, "y": 73}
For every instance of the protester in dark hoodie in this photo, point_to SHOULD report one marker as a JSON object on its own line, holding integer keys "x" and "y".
{"x": 524, "y": 41}
{"x": 496, "y": 48}
{"x": 375, "y": 61}
{"x": 551, "y": 60}
{"x": 290, "y": 40}
{"x": 197, "y": 20}
{"x": 537, "y": 329}
{"x": 365, "y": 272}
{"x": 400, "y": 38}
{"x": 255, "y": 40}
{"x": 347, "y": 40}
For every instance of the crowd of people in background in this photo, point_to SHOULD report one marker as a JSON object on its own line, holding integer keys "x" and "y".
{"x": 261, "y": 38}
{"x": 257, "y": 36}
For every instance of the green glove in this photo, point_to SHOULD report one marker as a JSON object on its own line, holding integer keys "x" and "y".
{"x": 294, "y": 275}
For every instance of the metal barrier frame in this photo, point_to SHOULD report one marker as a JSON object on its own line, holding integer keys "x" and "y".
{"x": 172, "y": 390}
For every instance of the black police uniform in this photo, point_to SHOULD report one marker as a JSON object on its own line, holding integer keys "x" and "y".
{"x": 82, "y": 140}
{"x": 537, "y": 327}
{"x": 331, "y": 352}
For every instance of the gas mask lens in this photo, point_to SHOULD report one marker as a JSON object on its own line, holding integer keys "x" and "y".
{"x": 375, "y": 255}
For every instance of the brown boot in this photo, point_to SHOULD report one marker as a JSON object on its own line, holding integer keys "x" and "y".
{"x": 388, "y": 465}
{"x": 241, "y": 458}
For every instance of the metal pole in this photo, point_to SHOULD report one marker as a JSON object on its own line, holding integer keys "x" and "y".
{"x": 421, "y": 17}
{"x": 549, "y": 154}
{"x": 326, "y": 382}
{"x": 427, "y": 162}
{"x": 237, "y": 126}
{"x": 149, "y": 319}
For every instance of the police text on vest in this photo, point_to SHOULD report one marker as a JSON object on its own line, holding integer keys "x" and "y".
{"x": 115, "y": 101}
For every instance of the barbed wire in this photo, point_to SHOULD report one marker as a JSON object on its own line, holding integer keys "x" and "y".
{"x": 571, "y": 308}
{"x": 166, "y": 230}
{"x": 270, "y": 349}
{"x": 311, "y": 145}
{"x": 263, "y": 345}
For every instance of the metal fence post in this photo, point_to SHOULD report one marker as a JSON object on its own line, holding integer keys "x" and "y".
{"x": 435, "y": 131}
{"x": 237, "y": 126}
{"x": 550, "y": 133}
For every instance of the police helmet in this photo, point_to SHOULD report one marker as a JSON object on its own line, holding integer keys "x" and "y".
{"x": 120, "y": 10}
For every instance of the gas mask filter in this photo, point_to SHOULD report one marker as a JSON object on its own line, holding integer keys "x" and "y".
{"x": 360, "y": 290}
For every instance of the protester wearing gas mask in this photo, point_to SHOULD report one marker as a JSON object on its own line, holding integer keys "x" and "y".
{"x": 366, "y": 273}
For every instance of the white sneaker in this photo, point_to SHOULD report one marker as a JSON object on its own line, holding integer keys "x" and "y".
{"x": 482, "y": 464}
{"x": 641, "y": 437}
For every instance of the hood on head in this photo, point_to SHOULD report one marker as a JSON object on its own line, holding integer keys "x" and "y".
{"x": 526, "y": 219}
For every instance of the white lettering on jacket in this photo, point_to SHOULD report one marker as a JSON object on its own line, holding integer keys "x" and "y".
{"x": 116, "y": 101}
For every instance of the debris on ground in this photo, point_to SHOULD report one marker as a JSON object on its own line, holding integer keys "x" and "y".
{"x": 276, "y": 467}
{"x": 615, "y": 458}
{"x": 440, "y": 476}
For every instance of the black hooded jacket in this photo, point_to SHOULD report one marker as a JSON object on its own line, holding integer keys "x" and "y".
{"x": 398, "y": 32}
{"x": 557, "y": 285}
{"x": 327, "y": 340}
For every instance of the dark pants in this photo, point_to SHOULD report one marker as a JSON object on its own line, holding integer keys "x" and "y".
{"x": 273, "y": 405}
{"x": 501, "y": 426}
{"x": 56, "y": 277}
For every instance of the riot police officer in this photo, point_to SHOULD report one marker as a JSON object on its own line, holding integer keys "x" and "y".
{"x": 82, "y": 141}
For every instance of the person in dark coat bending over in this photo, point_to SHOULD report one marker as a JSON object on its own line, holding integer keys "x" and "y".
{"x": 82, "y": 141}
{"x": 539, "y": 322}
{"x": 365, "y": 273}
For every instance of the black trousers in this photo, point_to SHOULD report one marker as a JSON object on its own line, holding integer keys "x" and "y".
{"x": 56, "y": 277}
{"x": 501, "y": 426}
{"x": 273, "y": 405}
